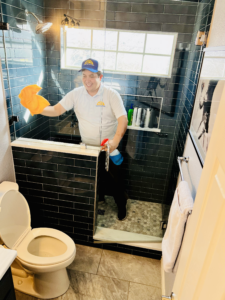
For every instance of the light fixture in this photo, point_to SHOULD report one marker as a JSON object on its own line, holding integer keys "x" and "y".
{"x": 66, "y": 21}
{"x": 70, "y": 22}
{"x": 73, "y": 24}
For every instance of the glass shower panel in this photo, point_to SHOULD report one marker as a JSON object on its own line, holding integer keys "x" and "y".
{"x": 76, "y": 45}
{"x": 137, "y": 175}
{"x": 144, "y": 214}
{"x": 6, "y": 82}
{"x": 25, "y": 64}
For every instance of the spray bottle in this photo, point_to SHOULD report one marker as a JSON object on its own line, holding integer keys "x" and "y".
{"x": 115, "y": 156}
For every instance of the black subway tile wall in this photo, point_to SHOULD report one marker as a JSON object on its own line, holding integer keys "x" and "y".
{"x": 195, "y": 58}
{"x": 59, "y": 195}
{"x": 147, "y": 156}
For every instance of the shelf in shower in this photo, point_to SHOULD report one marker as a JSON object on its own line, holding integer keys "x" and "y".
{"x": 144, "y": 129}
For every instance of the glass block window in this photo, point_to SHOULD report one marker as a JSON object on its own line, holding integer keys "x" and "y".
{"x": 119, "y": 51}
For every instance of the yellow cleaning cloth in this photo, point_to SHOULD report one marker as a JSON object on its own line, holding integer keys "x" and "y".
{"x": 30, "y": 100}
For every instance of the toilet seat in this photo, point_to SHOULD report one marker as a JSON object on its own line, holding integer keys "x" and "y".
{"x": 14, "y": 218}
{"x": 16, "y": 233}
{"x": 27, "y": 257}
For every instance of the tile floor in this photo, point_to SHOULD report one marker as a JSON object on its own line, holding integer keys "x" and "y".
{"x": 142, "y": 217}
{"x": 98, "y": 274}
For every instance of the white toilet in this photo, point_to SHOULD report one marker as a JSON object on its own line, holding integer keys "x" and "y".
{"x": 42, "y": 253}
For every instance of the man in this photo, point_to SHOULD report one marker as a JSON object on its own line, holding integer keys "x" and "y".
{"x": 101, "y": 114}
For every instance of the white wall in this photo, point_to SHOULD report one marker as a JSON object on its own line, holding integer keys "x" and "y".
{"x": 216, "y": 35}
{"x": 192, "y": 171}
{"x": 7, "y": 172}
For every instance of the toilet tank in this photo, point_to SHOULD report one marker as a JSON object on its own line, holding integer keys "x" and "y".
{"x": 6, "y": 186}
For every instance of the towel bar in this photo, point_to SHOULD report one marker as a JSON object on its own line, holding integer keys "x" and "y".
{"x": 186, "y": 159}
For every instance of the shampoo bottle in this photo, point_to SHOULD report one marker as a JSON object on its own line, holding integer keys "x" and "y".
{"x": 152, "y": 118}
{"x": 143, "y": 115}
{"x": 134, "y": 116}
{"x": 147, "y": 118}
{"x": 130, "y": 115}
{"x": 138, "y": 120}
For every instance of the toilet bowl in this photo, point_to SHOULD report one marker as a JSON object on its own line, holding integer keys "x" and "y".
{"x": 42, "y": 253}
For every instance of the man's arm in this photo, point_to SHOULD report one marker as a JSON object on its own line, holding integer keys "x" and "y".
{"x": 53, "y": 111}
{"x": 121, "y": 129}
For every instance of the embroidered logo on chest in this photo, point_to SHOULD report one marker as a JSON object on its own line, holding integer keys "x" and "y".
{"x": 100, "y": 104}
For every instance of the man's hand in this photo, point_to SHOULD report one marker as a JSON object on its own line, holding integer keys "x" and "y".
{"x": 121, "y": 129}
{"x": 112, "y": 146}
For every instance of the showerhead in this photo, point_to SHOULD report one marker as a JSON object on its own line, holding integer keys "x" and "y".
{"x": 41, "y": 27}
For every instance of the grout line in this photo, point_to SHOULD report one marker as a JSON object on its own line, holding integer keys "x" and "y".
{"x": 128, "y": 290}
{"x": 105, "y": 276}
{"x": 99, "y": 262}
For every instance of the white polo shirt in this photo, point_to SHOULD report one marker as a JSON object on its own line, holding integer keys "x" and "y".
{"x": 97, "y": 115}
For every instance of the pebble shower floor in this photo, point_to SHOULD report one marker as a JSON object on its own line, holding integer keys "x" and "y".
{"x": 142, "y": 217}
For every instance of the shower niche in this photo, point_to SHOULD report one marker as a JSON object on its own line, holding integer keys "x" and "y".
{"x": 146, "y": 112}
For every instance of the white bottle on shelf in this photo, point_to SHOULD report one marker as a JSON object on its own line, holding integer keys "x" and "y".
{"x": 138, "y": 121}
{"x": 147, "y": 118}
{"x": 134, "y": 116}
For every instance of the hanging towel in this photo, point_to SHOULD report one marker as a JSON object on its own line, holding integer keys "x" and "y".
{"x": 181, "y": 205}
{"x": 30, "y": 100}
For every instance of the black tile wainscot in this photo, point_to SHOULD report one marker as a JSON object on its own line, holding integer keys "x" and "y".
{"x": 60, "y": 189}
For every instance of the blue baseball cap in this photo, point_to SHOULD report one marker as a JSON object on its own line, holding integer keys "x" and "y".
{"x": 90, "y": 65}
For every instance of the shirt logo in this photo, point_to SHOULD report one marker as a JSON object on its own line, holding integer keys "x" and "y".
{"x": 100, "y": 103}
{"x": 89, "y": 62}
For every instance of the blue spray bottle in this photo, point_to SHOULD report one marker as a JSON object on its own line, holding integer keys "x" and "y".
{"x": 115, "y": 156}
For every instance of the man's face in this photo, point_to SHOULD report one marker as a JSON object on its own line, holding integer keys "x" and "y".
{"x": 91, "y": 81}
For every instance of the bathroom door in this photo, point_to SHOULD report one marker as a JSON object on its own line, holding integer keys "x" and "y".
{"x": 201, "y": 271}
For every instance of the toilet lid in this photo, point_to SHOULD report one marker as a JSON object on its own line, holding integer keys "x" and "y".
{"x": 14, "y": 217}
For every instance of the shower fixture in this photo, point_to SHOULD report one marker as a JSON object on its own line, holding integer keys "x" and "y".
{"x": 70, "y": 23}
{"x": 41, "y": 27}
